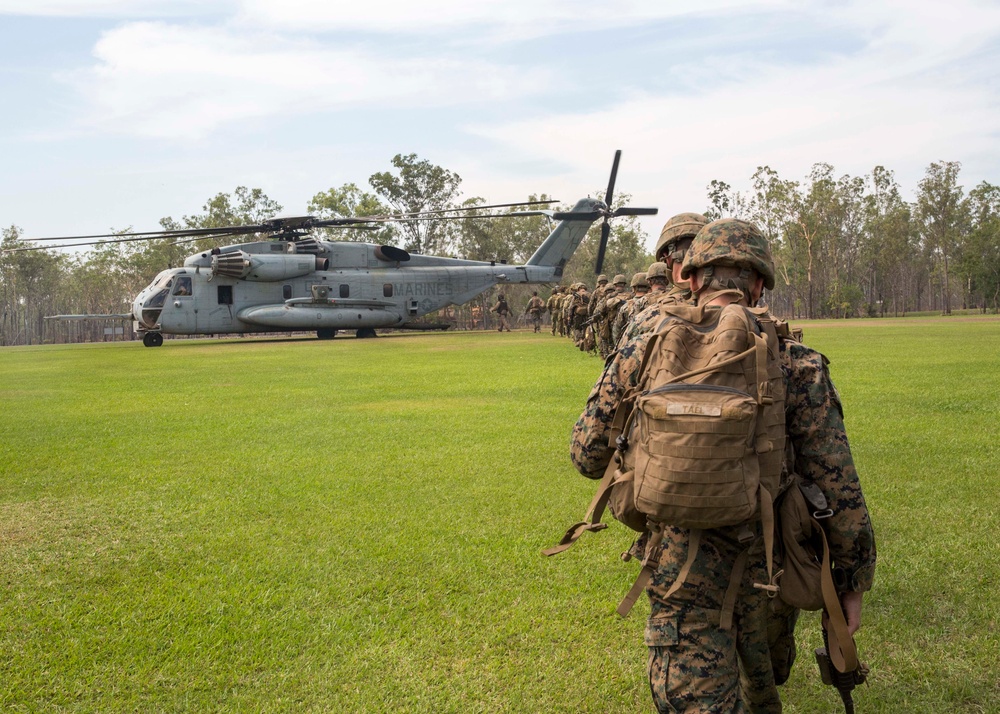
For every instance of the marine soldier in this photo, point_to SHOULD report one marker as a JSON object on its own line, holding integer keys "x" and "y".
{"x": 657, "y": 275}
{"x": 595, "y": 297}
{"x": 694, "y": 664}
{"x": 640, "y": 287}
{"x": 567, "y": 298}
{"x": 503, "y": 312}
{"x": 551, "y": 304}
{"x": 534, "y": 310}
{"x": 606, "y": 311}
{"x": 578, "y": 315}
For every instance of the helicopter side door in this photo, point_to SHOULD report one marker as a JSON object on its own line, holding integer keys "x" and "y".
{"x": 184, "y": 312}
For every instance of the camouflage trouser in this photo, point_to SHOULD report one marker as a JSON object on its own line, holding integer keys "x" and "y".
{"x": 536, "y": 321}
{"x": 695, "y": 666}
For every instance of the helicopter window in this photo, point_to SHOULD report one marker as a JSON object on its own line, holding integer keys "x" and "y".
{"x": 387, "y": 290}
{"x": 157, "y": 300}
{"x": 286, "y": 292}
{"x": 225, "y": 294}
{"x": 183, "y": 286}
{"x": 345, "y": 291}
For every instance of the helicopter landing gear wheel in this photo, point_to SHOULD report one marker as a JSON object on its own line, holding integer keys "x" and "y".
{"x": 366, "y": 332}
{"x": 326, "y": 333}
{"x": 152, "y": 339}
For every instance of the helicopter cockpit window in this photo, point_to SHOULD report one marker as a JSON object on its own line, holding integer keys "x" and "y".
{"x": 183, "y": 285}
{"x": 387, "y": 290}
{"x": 345, "y": 291}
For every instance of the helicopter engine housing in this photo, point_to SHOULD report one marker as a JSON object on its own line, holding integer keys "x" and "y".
{"x": 266, "y": 268}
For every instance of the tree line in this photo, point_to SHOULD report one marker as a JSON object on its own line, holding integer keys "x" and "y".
{"x": 851, "y": 246}
{"x": 843, "y": 246}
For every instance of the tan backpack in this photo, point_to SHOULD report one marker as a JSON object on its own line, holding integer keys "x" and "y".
{"x": 700, "y": 438}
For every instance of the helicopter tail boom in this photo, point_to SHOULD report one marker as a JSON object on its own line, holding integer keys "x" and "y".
{"x": 558, "y": 248}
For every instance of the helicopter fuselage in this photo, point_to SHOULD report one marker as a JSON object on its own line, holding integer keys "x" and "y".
{"x": 327, "y": 286}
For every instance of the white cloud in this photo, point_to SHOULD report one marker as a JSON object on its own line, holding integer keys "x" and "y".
{"x": 112, "y": 8}
{"x": 508, "y": 18}
{"x": 174, "y": 81}
{"x": 903, "y": 100}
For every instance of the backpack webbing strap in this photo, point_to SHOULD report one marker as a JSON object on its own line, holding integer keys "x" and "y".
{"x": 842, "y": 650}
{"x": 648, "y": 566}
{"x": 592, "y": 520}
{"x": 767, "y": 525}
{"x": 735, "y": 580}
{"x": 656, "y": 537}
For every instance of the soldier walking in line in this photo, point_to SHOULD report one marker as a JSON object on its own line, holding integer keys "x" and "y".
{"x": 640, "y": 287}
{"x": 551, "y": 306}
{"x": 534, "y": 310}
{"x": 605, "y": 312}
{"x": 503, "y": 313}
{"x": 716, "y": 642}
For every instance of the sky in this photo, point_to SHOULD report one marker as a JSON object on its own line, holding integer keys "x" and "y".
{"x": 117, "y": 113}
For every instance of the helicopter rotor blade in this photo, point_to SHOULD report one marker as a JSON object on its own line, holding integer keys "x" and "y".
{"x": 469, "y": 208}
{"x": 611, "y": 182}
{"x": 153, "y": 235}
{"x": 577, "y": 215}
{"x": 602, "y": 247}
{"x": 626, "y": 211}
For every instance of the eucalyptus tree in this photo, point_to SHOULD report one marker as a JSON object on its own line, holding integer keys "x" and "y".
{"x": 30, "y": 283}
{"x": 981, "y": 252}
{"x": 890, "y": 250}
{"x": 943, "y": 216}
{"x": 349, "y": 201}
{"x": 419, "y": 185}
{"x": 774, "y": 205}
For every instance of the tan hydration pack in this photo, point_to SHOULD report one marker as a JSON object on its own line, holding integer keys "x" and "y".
{"x": 700, "y": 438}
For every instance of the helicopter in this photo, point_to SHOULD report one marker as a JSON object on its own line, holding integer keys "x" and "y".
{"x": 296, "y": 282}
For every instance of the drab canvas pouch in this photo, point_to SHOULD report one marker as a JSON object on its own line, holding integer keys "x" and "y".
{"x": 802, "y": 547}
{"x": 696, "y": 464}
{"x": 622, "y": 501}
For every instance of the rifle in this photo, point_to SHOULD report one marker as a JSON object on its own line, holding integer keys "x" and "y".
{"x": 843, "y": 682}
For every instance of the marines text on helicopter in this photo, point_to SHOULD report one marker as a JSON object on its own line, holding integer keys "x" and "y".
{"x": 295, "y": 282}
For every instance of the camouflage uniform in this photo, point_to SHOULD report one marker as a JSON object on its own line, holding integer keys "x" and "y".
{"x": 578, "y": 314}
{"x": 604, "y": 313}
{"x": 649, "y": 317}
{"x": 627, "y": 308}
{"x": 551, "y": 305}
{"x": 567, "y": 310}
{"x": 602, "y": 286}
{"x": 656, "y": 274}
{"x": 695, "y": 665}
{"x": 534, "y": 310}
{"x": 503, "y": 312}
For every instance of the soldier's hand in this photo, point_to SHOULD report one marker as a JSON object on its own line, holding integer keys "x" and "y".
{"x": 851, "y": 601}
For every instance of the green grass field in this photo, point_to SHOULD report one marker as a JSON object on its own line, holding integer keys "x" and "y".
{"x": 355, "y": 525}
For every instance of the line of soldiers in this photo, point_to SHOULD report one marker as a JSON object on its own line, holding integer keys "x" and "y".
{"x": 596, "y": 321}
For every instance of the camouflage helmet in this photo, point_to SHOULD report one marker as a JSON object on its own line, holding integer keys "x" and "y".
{"x": 639, "y": 281}
{"x": 683, "y": 225}
{"x": 730, "y": 241}
{"x": 620, "y": 280}
{"x": 602, "y": 278}
{"x": 658, "y": 270}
